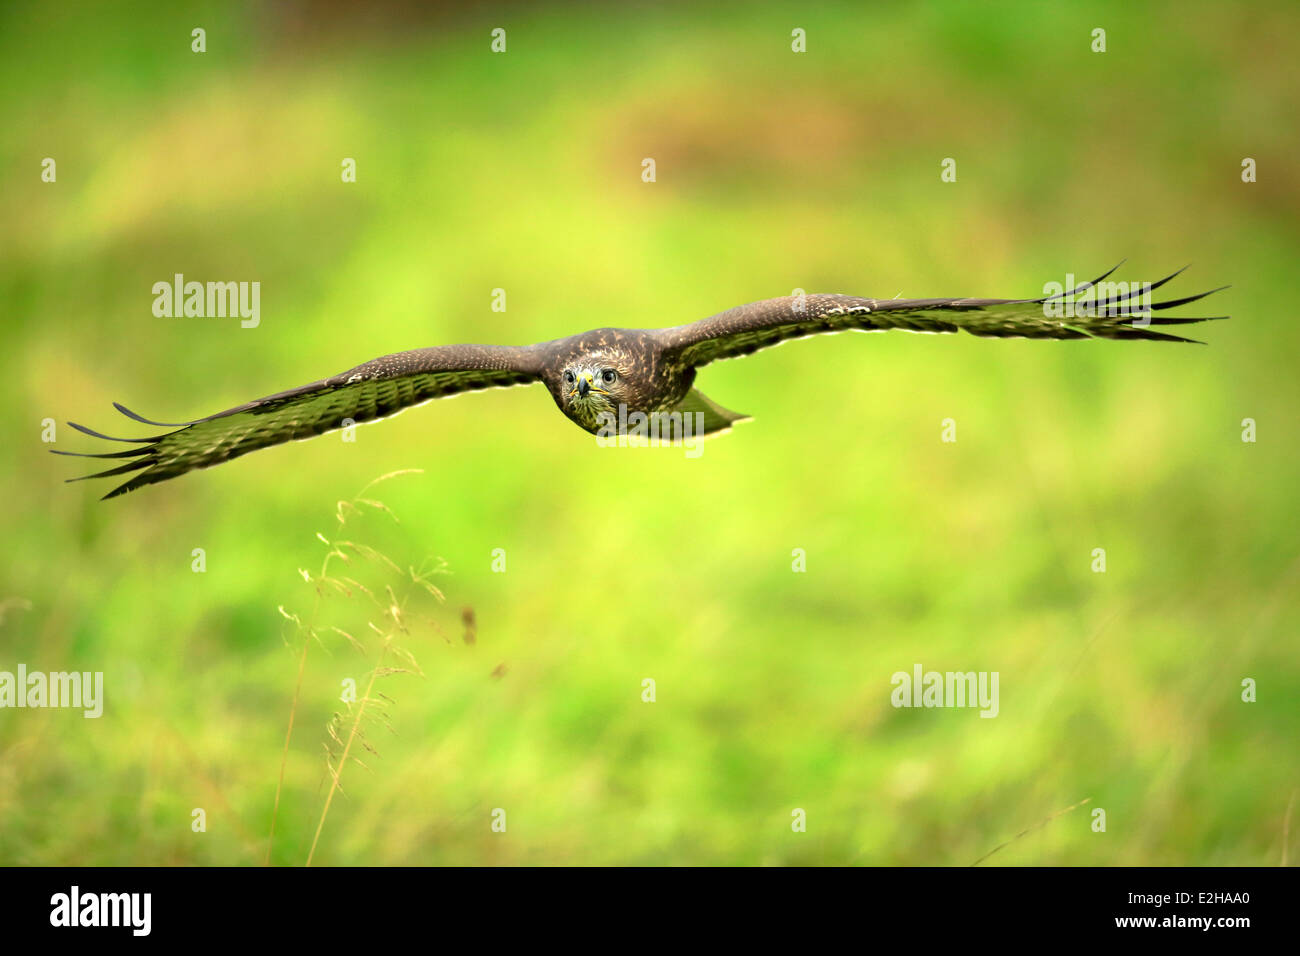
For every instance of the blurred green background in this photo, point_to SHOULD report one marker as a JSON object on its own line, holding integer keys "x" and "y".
{"x": 775, "y": 170}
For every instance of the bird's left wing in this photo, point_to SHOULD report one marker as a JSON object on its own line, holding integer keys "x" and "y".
{"x": 377, "y": 389}
{"x": 747, "y": 328}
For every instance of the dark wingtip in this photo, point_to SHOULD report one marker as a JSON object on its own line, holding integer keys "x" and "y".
{"x": 94, "y": 434}
{"x": 1081, "y": 287}
{"x": 1110, "y": 270}
{"x": 131, "y": 484}
{"x": 1172, "y": 275}
{"x": 1088, "y": 285}
{"x": 145, "y": 421}
{"x": 129, "y": 467}
{"x": 1174, "y": 303}
{"x": 126, "y": 453}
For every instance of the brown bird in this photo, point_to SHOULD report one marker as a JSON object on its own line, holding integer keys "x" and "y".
{"x": 604, "y": 376}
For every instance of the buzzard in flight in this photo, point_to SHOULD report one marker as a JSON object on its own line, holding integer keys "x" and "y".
{"x": 594, "y": 375}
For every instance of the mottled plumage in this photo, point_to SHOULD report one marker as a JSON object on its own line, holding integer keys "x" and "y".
{"x": 645, "y": 370}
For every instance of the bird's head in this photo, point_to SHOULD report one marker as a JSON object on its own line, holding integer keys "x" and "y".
{"x": 594, "y": 383}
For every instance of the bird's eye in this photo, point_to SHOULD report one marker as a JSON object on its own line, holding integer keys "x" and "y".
{"x": 608, "y": 376}
{"x": 568, "y": 377}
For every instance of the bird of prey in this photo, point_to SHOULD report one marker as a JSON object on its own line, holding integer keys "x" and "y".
{"x": 594, "y": 375}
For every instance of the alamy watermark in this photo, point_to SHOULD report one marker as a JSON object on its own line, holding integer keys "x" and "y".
{"x": 214, "y": 300}
{"x": 923, "y": 688}
{"x": 129, "y": 910}
{"x": 56, "y": 689}
{"x": 640, "y": 429}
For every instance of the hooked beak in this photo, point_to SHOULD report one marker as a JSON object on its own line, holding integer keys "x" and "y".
{"x": 584, "y": 385}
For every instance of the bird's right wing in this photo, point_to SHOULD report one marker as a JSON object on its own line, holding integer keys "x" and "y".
{"x": 377, "y": 389}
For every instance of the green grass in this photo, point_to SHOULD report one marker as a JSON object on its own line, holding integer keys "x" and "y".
{"x": 775, "y": 171}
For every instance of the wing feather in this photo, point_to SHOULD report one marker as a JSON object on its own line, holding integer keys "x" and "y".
{"x": 375, "y": 390}
{"x": 748, "y": 328}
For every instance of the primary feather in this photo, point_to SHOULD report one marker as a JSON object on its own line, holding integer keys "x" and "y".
{"x": 375, "y": 390}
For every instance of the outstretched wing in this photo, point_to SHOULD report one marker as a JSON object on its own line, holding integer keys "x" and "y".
{"x": 377, "y": 389}
{"x": 1126, "y": 315}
